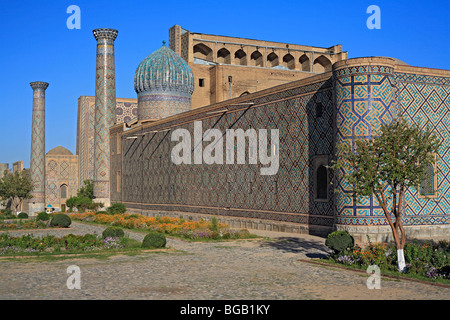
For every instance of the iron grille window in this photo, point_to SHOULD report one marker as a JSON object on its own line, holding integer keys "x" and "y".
{"x": 427, "y": 185}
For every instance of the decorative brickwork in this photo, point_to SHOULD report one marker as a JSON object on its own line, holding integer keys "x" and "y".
{"x": 365, "y": 99}
{"x": 62, "y": 172}
{"x": 151, "y": 181}
{"x": 427, "y": 99}
{"x": 37, "y": 160}
{"x": 126, "y": 110}
{"x": 105, "y": 107}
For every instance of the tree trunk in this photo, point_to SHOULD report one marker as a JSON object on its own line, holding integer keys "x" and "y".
{"x": 401, "y": 264}
{"x": 395, "y": 226}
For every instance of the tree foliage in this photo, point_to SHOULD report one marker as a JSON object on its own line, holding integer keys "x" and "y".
{"x": 84, "y": 198}
{"x": 386, "y": 165}
{"x": 16, "y": 187}
{"x": 87, "y": 190}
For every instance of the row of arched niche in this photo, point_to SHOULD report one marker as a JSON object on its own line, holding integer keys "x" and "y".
{"x": 285, "y": 60}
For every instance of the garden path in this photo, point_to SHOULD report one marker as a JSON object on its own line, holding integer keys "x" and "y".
{"x": 240, "y": 269}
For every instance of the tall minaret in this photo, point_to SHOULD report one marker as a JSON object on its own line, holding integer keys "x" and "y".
{"x": 105, "y": 107}
{"x": 37, "y": 159}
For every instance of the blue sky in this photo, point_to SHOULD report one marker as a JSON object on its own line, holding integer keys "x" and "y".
{"x": 36, "y": 45}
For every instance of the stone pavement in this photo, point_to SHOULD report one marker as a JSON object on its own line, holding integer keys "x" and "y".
{"x": 245, "y": 269}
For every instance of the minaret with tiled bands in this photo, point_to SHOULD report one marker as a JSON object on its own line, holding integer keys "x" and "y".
{"x": 37, "y": 158}
{"x": 105, "y": 105}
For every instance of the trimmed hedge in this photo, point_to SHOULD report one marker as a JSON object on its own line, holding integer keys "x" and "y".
{"x": 22, "y": 215}
{"x": 60, "y": 220}
{"x": 116, "y": 208}
{"x": 154, "y": 240}
{"x": 43, "y": 216}
{"x": 339, "y": 241}
{"x": 113, "y": 232}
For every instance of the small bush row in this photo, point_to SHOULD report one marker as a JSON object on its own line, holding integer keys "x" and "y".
{"x": 111, "y": 238}
{"x": 425, "y": 258}
{"x": 195, "y": 230}
{"x": 43, "y": 220}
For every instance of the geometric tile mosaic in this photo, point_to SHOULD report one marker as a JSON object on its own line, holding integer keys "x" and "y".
{"x": 149, "y": 178}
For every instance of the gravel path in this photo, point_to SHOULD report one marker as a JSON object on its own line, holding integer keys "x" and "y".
{"x": 245, "y": 269}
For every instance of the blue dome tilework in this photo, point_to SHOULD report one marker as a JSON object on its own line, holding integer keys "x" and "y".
{"x": 164, "y": 70}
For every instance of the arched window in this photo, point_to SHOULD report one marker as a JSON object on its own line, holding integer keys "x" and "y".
{"x": 63, "y": 191}
{"x": 289, "y": 61}
{"x": 240, "y": 57}
{"x": 305, "y": 62}
{"x": 272, "y": 60}
{"x": 223, "y": 56}
{"x": 322, "y": 64}
{"x": 202, "y": 51}
{"x": 256, "y": 59}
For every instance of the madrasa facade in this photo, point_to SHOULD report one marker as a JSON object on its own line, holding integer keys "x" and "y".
{"x": 245, "y": 130}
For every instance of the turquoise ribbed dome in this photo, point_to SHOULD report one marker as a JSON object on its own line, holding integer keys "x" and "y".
{"x": 164, "y": 70}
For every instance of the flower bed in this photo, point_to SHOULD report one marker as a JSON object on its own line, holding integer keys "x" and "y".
{"x": 27, "y": 244}
{"x": 195, "y": 230}
{"x": 23, "y": 224}
{"x": 427, "y": 259}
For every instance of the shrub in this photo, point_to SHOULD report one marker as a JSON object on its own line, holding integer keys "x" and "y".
{"x": 22, "y": 215}
{"x": 43, "y": 216}
{"x": 154, "y": 240}
{"x": 60, "y": 220}
{"x": 116, "y": 208}
{"x": 71, "y": 203}
{"x": 113, "y": 232}
{"x": 96, "y": 205}
{"x": 339, "y": 241}
{"x": 214, "y": 224}
{"x": 7, "y": 214}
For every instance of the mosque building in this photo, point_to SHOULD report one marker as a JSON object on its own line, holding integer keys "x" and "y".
{"x": 204, "y": 87}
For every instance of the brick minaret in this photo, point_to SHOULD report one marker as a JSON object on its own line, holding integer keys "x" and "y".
{"x": 37, "y": 159}
{"x": 105, "y": 105}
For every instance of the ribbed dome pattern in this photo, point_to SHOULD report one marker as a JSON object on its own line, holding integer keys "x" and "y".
{"x": 164, "y": 70}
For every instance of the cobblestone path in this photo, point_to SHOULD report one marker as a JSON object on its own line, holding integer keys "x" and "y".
{"x": 245, "y": 269}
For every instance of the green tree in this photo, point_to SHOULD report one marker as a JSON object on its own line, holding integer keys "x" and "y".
{"x": 386, "y": 165}
{"x": 87, "y": 190}
{"x": 16, "y": 187}
{"x": 71, "y": 203}
{"x": 83, "y": 203}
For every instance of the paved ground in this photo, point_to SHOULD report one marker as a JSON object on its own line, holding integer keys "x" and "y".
{"x": 254, "y": 269}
